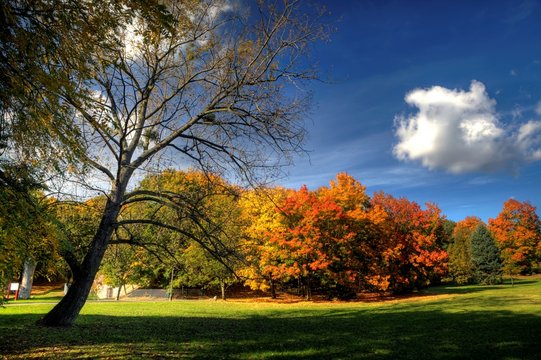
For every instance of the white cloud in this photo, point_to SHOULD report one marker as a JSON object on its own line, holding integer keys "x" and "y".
{"x": 459, "y": 131}
{"x": 529, "y": 140}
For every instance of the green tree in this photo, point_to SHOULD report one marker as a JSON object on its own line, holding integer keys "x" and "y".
{"x": 459, "y": 250}
{"x": 117, "y": 266}
{"x": 201, "y": 269}
{"x": 485, "y": 257}
{"x": 78, "y": 223}
{"x": 196, "y": 241}
{"x": 28, "y": 232}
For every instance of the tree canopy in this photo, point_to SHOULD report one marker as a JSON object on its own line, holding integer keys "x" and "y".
{"x": 517, "y": 232}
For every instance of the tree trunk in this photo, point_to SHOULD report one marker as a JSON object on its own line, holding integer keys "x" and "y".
{"x": 273, "y": 289}
{"x": 171, "y": 287}
{"x": 67, "y": 310}
{"x": 118, "y": 292}
{"x": 308, "y": 288}
{"x": 222, "y": 287}
{"x": 28, "y": 276}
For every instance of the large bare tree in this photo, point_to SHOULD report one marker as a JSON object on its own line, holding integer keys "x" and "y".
{"x": 220, "y": 87}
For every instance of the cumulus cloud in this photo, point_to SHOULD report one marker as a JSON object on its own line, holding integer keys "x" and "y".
{"x": 459, "y": 131}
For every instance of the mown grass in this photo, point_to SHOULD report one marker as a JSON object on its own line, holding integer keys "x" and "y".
{"x": 470, "y": 322}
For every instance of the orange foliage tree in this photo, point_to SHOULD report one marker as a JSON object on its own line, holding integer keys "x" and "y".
{"x": 312, "y": 229}
{"x": 357, "y": 256}
{"x": 517, "y": 232}
{"x": 413, "y": 237}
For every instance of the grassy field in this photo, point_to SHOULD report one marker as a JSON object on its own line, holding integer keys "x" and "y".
{"x": 469, "y": 322}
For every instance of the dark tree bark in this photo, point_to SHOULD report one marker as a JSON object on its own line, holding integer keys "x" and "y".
{"x": 118, "y": 292}
{"x": 272, "y": 288}
{"x": 308, "y": 288}
{"x": 67, "y": 310}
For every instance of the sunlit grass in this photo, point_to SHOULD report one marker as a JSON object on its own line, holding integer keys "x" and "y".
{"x": 492, "y": 322}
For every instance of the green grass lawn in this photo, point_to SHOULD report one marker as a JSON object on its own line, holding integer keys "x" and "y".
{"x": 468, "y": 322}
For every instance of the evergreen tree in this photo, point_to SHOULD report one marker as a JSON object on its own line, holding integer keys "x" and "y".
{"x": 485, "y": 257}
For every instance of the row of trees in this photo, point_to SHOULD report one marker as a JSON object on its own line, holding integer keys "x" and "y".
{"x": 509, "y": 244}
{"x": 335, "y": 239}
{"x": 344, "y": 241}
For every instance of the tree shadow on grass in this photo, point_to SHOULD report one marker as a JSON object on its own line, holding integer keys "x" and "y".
{"x": 472, "y": 289}
{"x": 303, "y": 334}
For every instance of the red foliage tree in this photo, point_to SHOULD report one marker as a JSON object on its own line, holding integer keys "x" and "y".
{"x": 310, "y": 233}
{"x": 413, "y": 254}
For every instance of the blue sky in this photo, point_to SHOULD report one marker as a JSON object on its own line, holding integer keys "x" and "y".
{"x": 435, "y": 101}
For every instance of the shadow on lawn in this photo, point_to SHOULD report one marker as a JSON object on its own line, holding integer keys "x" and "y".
{"x": 472, "y": 289}
{"x": 303, "y": 334}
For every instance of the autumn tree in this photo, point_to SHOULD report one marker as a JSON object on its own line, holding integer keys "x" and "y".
{"x": 460, "y": 250}
{"x": 211, "y": 90}
{"x": 306, "y": 236}
{"x": 261, "y": 218}
{"x": 485, "y": 256}
{"x": 327, "y": 235}
{"x": 413, "y": 255}
{"x": 288, "y": 230}
{"x": 339, "y": 239}
{"x": 357, "y": 256}
{"x": 517, "y": 233}
{"x": 348, "y": 193}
